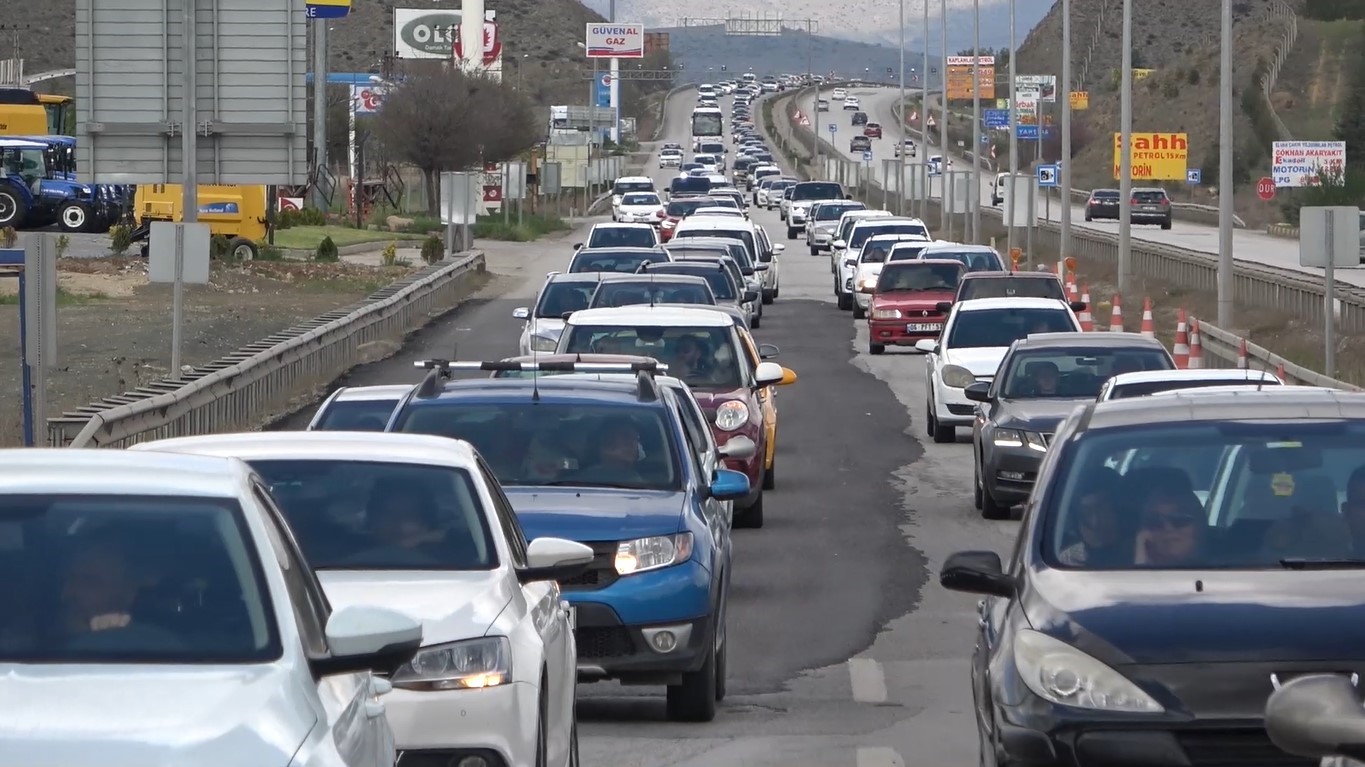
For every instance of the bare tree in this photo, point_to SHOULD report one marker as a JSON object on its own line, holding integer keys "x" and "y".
{"x": 451, "y": 121}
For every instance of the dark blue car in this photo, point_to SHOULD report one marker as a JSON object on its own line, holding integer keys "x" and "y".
{"x": 621, "y": 466}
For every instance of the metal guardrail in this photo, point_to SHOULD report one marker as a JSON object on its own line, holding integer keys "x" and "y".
{"x": 1224, "y": 348}
{"x": 270, "y": 378}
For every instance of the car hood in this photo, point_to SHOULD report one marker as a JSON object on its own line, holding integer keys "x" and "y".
{"x": 1041, "y": 415}
{"x": 591, "y": 514}
{"x": 1190, "y": 617}
{"x": 449, "y": 605}
{"x": 151, "y": 716}
{"x": 548, "y": 327}
{"x": 982, "y": 361}
{"x": 919, "y": 300}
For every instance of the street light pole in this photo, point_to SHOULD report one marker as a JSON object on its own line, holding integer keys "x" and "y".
{"x": 1225, "y": 182}
{"x": 1014, "y": 144}
{"x": 923, "y": 176}
{"x": 943, "y": 115}
{"x": 1065, "y": 158}
{"x": 975, "y": 202}
{"x": 900, "y": 183}
{"x": 1126, "y": 154}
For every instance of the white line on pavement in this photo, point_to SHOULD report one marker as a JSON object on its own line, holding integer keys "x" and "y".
{"x": 879, "y": 757}
{"x": 868, "y": 679}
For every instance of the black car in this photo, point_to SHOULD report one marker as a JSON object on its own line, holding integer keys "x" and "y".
{"x": 650, "y": 288}
{"x": 1041, "y": 379}
{"x": 1182, "y": 557}
{"x": 721, "y": 280}
{"x": 621, "y": 260}
{"x": 860, "y": 144}
{"x": 1103, "y": 203}
{"x": 859, "y": 118}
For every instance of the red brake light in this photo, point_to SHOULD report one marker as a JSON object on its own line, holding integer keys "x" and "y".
{"x": 1133, "y": 201}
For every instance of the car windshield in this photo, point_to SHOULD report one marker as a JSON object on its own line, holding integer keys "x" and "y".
{"x": 986, "y": 328}
{"x": 640, "y": 198}
{"x": 356, "y": 415}
{"x": 374, "y": 515}
{"x": 102, "y": 579}
{"x": 647, "y": 291}
{"x": 621, "y": 237}
{"x": 722, "y": 285}
{"x": 739, "y": 235}
{"x": 627, "y": 263}
{"x": 818, "y": 190}
{"x": 876, "y": 249}
{"x": 1010, "y": 287}
{"x": 918, "y": 277}
{"x": 704, "y": 358}
{"x": 974, "y": 260}
{"x": 1074, "y": 373}
{"x": 903, "y": 251}
{"x": 1144, "y": 388}
{"x": 1253, "y": 494}
{"x": 623, "y": 187}
{"x": 548, "y": 443}
{"x": 861, "y": 234}
{"x": 562, "y": 297}
{"x": 827, "y": 212}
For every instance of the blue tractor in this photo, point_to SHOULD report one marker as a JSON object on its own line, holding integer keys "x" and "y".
{"x": 38, "y": 187}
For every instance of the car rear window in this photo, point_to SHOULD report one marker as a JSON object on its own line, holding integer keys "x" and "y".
{"x": 722, "y": 284}
{"x": 691, "y": 184}
{"x": 684, "y": 207}
{"x": 820, "y": 190}
{"x": 1104, "y": 195}
{"x": 976, "y": 260}
{"x": 1010, "y": 287}
{"x": 861, "y": 234}
{"x": 1149, "y": 197}
{"x": 651, "y": 292}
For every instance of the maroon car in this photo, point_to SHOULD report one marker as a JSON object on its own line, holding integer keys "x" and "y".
{"x": 906, "y": 303}
{"x": 872, "y": 130}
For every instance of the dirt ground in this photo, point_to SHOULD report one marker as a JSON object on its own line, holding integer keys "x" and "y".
{"x": 114, "y": 328}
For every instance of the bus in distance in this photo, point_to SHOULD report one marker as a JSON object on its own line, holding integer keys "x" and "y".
{"x": 707, "y": 125}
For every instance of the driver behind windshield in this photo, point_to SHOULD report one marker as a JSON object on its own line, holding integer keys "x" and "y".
{"x": 617, "y": 454}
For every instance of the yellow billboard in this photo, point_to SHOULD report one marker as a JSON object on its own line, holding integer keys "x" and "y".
{"x": 1139, "y": 74}
{"x": 959, "y": 82}
{"x": 1080, "y": 100}
{"x": 1156, "y": 156}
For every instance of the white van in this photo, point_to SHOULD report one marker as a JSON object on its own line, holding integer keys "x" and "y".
{"x": 998, "y": 189}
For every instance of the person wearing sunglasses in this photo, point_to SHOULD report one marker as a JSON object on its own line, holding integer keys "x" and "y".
{"x": 1173, "y": 529}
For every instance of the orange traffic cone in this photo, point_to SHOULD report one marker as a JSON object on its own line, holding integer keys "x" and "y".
{"x": 1196, "y": 346}
{"x": 1181, "y": 350}
{"x": 1148, "y": 324}
{"x": 1116, "y": 316}
{"x": 1242, "y": 362}
{"x": 1280, "y": 374}
{"x": 1087, "y": 320}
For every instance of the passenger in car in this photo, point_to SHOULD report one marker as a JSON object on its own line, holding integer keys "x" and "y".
{"x": 1353, "y": 509}
{"x": 402, "y": 516}
{"x": 100, "y": 588}
{"x": 1102, "y": 542}
{"x": 618, "y": 453}
{"x": 1174, "y": 528}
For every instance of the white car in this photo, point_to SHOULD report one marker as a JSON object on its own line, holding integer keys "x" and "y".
{"x": 823, "y": 219}
{"x": 851, "y": 104}
{"x": 838, "y": 94}
{"x": 976, "y": 335}
{"x": 670, "y": 158}
{"x": 158, "y": 612}
{"x": 709, "y": 162}
{"x": 756, "y": 176}
{"x": 841, "y": 232}
{"x": 846, "y": 291}
{"x": 871, "y": 258}
{"x": 1146, "y": 382}
{"x": 755, "y": 238}
{"x": 716, "y": 210}
{"x": 418, "y": 522}
{"x": 764, "y": 193}
{"x": 936, "y": 165}
{"x": 358, "y": 408}
{"x": 618, "y": 235}
{"x": 561, "y": 295}
{"x": 906, "y": 148}
{"x": 627, "y": 184}
{"x": 639, "y": 208}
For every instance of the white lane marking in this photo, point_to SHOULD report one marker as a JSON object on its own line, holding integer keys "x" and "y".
{"x": 869, "y": 682}
{"x": 879, "y": 757}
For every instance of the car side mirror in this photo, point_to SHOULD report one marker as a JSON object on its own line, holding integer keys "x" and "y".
{"x": 749, "y": 297}
{"x": 839, "y": 244}
{"x": 779, "y": 247}
{"x": 521, "y": 313}
{"x": 1317, "y": 716}
{"x": 848, "y": 197}
{"x": 768, "y": 374}
{"x": 578, "y": 246}
{"x": 944, "y": 306}
{"x": 729, "y": 485}
{"x": 768, "y": 351}
{"x": 1078, "y": 306}
{"x": 978, "y": 392}
{"x": 566, "y": 315}
{"x": 554, "y": 559}
{"x": 976, "y": 572}
{"x": 740, "y": 448}
{"x": 788, "y": 377}
{"x": 927, "y": 345}
{"x": 761, "y": 267}
{"x": 373, "y": 639}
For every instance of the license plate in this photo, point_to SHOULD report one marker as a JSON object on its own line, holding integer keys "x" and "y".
{"x": 922, "y": 327}
{"x": 1151, "y": 208}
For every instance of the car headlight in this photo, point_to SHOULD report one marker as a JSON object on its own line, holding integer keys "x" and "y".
{"x": 652, "y": 553}
{"x": 886, "y": 314}
{"x": 867, "y": 283}
{"x": 731, "y": 415}
{"x": 797, "y": 210}
{"x": 1059, "y": 673}
{"x": 544, "y": 343}
{"x": 468, "y": 665}
{"x": 1020, "y": 438}
{"x": 956, "y": 377}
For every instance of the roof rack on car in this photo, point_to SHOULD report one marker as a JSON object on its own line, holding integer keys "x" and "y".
{"x": 646, "y": 388}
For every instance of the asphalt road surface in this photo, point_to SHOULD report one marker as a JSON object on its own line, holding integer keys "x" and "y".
{"x": 1252, "y": 247}
{"x": 845, "y": 652}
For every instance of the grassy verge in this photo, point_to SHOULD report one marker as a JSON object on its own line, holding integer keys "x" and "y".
{"x": 309, "y": 237}
{"x": 532, "y": 226}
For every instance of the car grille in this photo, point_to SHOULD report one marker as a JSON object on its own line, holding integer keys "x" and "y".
{"x": 604, "y": 642}
{"x": 1236, "y": 748}
{"x": 600, "y": 574}
{"x": 961, "y": 409}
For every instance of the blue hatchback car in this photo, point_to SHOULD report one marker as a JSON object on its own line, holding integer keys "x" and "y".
{"x": 614, "y": 464}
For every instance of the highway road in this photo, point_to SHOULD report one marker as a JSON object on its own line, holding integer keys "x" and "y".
{"x": 844, "y": 650}
{"x": 1248, "y": 246}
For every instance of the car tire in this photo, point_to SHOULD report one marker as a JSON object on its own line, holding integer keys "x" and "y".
{"x": 940, "y": 434}
{"x": 770, "y": 476}
{"x": 875, "y": 348}
{"x": 845, "y": 302}
{"x": 989, "y": 508}
{"x": 791, "y": 232}
{"x": 976, "y": 482}
{"x": 1166, "y": 224}
{"x": 814, "y": 251}
{"x": 1088, "y": 218}
{"x": 75, "y": 217}
{"x": 858, "y": 312}
{"x": 756, "y": 322}
{"x": 769, "y": 296}
{"x": 752, "y": 517}
{"x": 722, "y": 661}
{"x": 542, "y": 741}
{"x": 694, "y": 700}
{"x": 573, "y": 743}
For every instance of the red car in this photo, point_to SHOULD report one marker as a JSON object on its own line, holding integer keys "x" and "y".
{"x": 905, "y": 305}
{"x": 872, "y": 130}
{"x": 678, "y": 209}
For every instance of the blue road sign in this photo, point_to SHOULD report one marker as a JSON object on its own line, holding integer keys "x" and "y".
{"x": 996, "y": 118}
{"x": 833, "y": 128}
{"x": 867, "y": 157}
{"x": 1026, "y": 132}
{"x": 327, "y": 11}
{"x": 1047, "y": 175}
{"x": 1194, "y": 177}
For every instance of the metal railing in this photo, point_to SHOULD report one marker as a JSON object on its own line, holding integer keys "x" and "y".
{"x": 1224, "y": 349}
{"x": 273, "y": 377}
{"x": 1279, "y": 10}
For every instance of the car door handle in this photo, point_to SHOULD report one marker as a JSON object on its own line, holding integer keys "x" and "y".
{"x": 374, "y": 709}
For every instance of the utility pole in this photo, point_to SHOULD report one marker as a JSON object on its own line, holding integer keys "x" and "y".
{"x": 1065, "y": 158}
{"x": 1014, "y": 144}
{"x": 900, "y": 180}
{"x": 319, "y": 110}
{"x": 975, "y": 201}
{"x": 1126, "y": 155}
{"x": 943, "y": 116}
{"x": 923, "y": 175}
{"x": 1225, "y": 182}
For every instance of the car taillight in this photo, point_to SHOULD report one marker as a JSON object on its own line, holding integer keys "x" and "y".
{"x": 1133, "y": 201}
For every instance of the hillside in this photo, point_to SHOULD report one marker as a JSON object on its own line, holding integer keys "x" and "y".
{"x": 1315, "y": 78}
{"x": 702, "y": 51}
{"x": 1179, "y": 40}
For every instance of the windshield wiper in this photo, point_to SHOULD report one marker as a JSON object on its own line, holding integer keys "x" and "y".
{"x": 1303, "y": 563}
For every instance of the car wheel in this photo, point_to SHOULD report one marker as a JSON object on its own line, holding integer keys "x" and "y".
{"x": 777, "y": 293}
{"x": 929, "y": 420}
{"x": 814, "y": 251}
{"x": 694, "y": 700}
{"x": 845, "y": 302}
{"x": 944, "y": 434}
{"x": 752, "y": 517}
{"x": 976, "y": 482}
{"x": 858, "y": 313}
{"x": 769, "y": 296}
{"x": 756, "y": 321}
{"x": 1088, "y": 218}
{"x": 722, "y": 663}
{"x": 875, "y": 348}
{"x": 1166, "y": 224}
{"x": 770, "y": 476}
{"x": 542, "y": 759}
{"x": 989, "y": 508}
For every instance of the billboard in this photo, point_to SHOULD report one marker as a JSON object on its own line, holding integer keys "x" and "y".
{"x": 1156, "y": 156}
{"x": 615, "y": 41}
{"x": 959, "y": 80}
{"x": 1080, "y": 100}
{"x": 1044, "y": 86}
{"x": 1299, "y": 163}
{"x": 434, "y": 34}
{"x": 656, "y": 42}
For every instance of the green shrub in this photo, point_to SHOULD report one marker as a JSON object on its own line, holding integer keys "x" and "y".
{"x": 327, "y": 251}
{"x": 269, "y": 253}
{"x": 120, "y": 238}
{"x": 433, "y": 249}
{"x": 220, "y": 247}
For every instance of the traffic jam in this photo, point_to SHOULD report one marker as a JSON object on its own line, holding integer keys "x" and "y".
{"x": 430, "y": 573}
